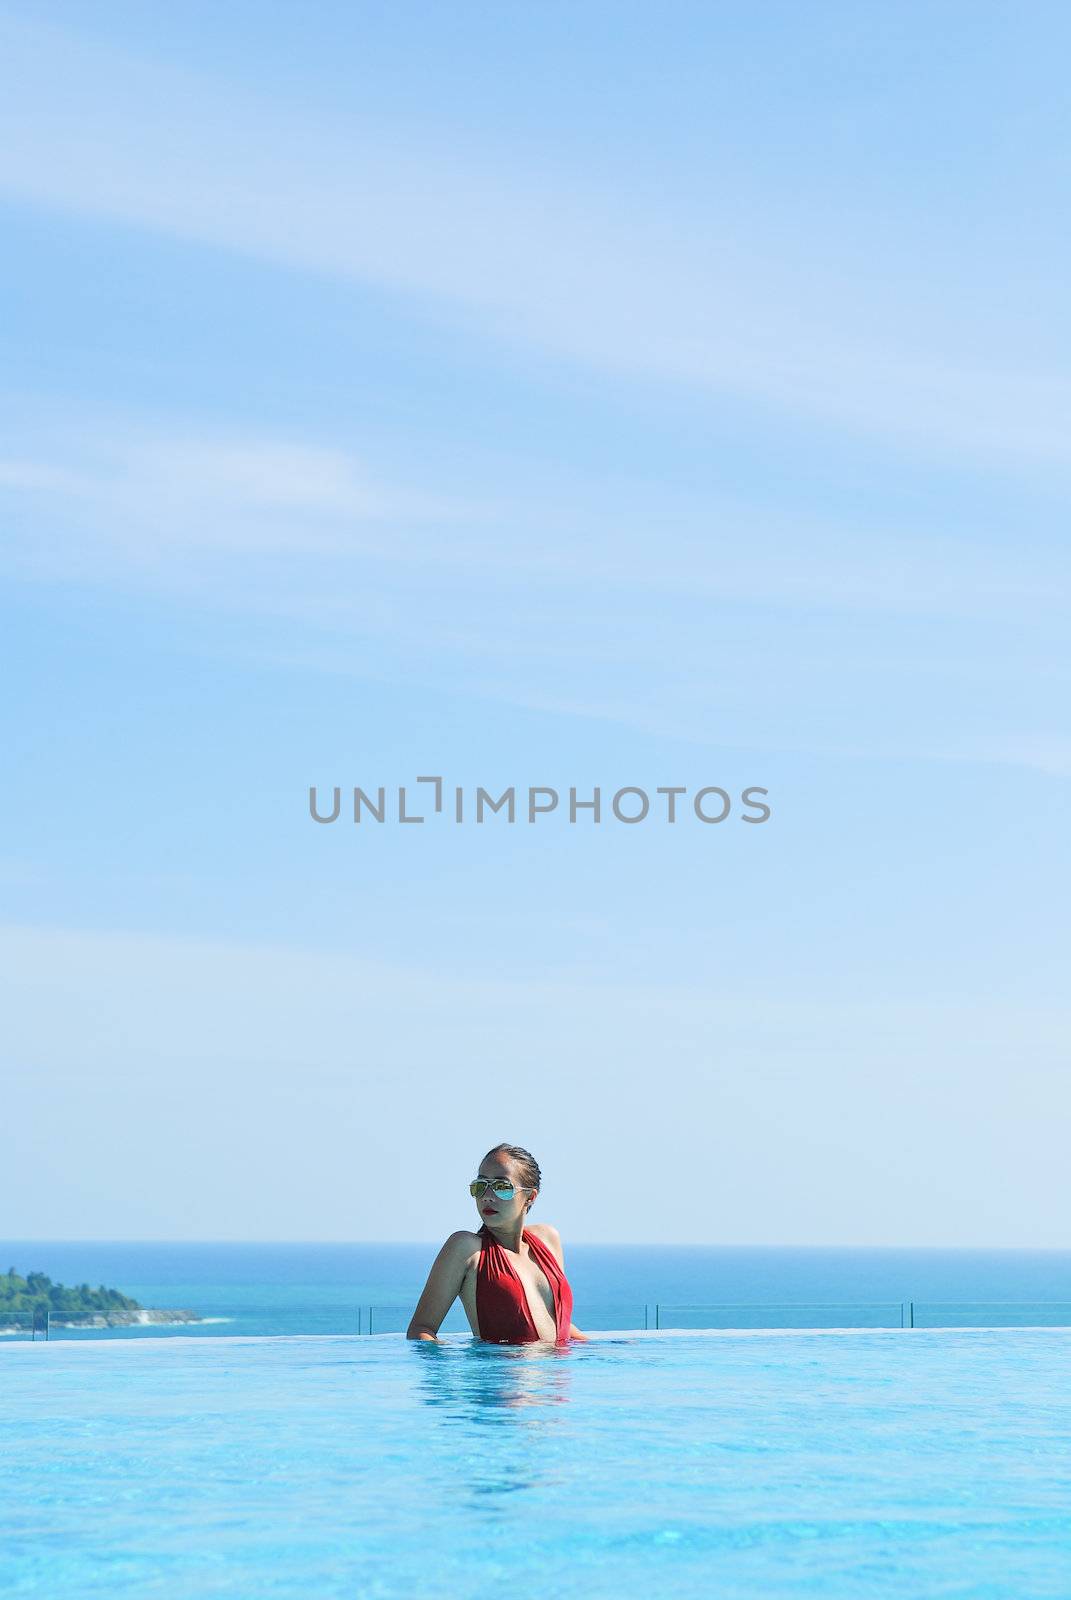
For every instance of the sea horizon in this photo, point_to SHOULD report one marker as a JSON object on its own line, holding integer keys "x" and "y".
{"x": 627, "y": 1244}
{"x": 288, "y": 1287}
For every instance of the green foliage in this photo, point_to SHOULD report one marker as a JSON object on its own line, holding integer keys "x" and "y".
{"x": 37, "y": 1293}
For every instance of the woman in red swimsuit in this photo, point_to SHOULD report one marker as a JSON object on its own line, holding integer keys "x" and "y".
{"x": 510, "y": 1276}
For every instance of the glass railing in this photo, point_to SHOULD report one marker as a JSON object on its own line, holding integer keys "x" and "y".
{"x": 989, "y": 1313}
{"x": 299, "y": 1319}
{"x": 789, "y": 1314}
{"x": 748, "y": 1315}
{"x": 396, "y": 1317}
{"x": 25, "y": 1324}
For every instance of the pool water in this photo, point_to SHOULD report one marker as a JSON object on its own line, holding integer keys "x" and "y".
{"x": 755, "y": 1465}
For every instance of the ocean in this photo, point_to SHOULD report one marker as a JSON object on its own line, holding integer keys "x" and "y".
{"x": 244, "y": 1289}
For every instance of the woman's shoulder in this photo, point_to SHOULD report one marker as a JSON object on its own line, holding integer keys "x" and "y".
{"x": 463, "y": 1242}
{"x": 545, "y": 1230}
{"x": 548, "y": 1235}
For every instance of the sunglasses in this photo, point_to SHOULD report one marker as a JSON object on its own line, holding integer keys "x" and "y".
{"x": 502, "y": 1188}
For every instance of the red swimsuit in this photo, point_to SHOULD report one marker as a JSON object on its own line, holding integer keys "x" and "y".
{"x": 502, "y": 1309}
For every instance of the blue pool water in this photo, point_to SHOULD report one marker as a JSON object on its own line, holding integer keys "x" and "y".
{"x": 757, "y": 1465}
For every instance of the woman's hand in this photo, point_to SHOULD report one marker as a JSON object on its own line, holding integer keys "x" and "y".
{"x": 575, "y": 1333}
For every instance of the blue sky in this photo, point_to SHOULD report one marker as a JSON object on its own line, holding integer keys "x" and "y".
{"x": 552, "y": 395}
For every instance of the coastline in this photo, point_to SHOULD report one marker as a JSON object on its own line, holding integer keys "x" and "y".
{"x": 143, "y": 1317}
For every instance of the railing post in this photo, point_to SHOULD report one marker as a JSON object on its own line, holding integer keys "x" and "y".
{"x": 369, "y": 1319}
{"x": 901, "y": 1313}
{"x": 645, "y": 1316}
{"x": 912, "y": 1303}
{"x": 657, "y": 1314}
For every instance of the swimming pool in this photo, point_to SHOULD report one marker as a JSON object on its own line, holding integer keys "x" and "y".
{"x": 757, "y": 1464}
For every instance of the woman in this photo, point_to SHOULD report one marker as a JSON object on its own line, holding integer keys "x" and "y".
{"x": 511, "y": 1277}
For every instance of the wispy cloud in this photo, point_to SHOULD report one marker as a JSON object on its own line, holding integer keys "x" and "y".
{"x": 131, "y": 499}
{"x": 1047, "y": 752}
{"x": 275, "y": 476}
{"x": 126, "y": 501}
{"x": 526, "y": 255}
{"x": 304, "y": 1056}
{"x": 715, "y": 624}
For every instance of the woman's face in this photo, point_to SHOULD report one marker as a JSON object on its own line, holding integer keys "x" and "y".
{"x": 494, "y": 1210}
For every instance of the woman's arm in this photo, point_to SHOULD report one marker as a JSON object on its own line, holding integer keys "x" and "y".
{"x": 442, "y": 1288}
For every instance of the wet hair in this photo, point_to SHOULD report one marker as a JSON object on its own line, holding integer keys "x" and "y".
{"x": 529, "y": 1166}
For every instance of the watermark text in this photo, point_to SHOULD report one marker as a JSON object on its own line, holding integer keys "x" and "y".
{"x": 406, "y": 804}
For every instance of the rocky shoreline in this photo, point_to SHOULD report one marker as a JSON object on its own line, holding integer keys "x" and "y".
{"x": 125, "y": 1319}
{"x": 99, "y": 1319}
